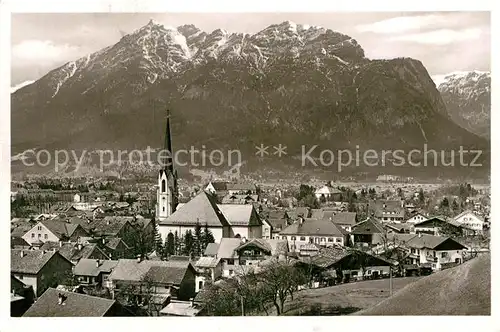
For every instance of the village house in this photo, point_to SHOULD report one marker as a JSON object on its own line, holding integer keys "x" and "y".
{"x": 346, "y": 220}
{"x": 417, "y": 217}
{"x": 438, "y": 226}
{"x": 328, "y": 193}
{"x": 54, "y": 231}
{"x": 116, "y": 248}
{"x": 322, "y": 232}
{"x": 471, "y": 221}
{"x": 21, "y": 297}
{"x": 437, "y": 251}
{"x": 209, "y": 269}
{"x": 254, "y": 251}
{"x": 224, "y": 250}
{"x": 367, "y": 232}
{"x": 56, "y": 303}
{"x": 217, "y": 188}
{"x": 39, "y": 269}
{"x": 94, "y": 272}
{"x": 76, "y": 251}
{"x": 267, "y": 229}
{"x": 112, "y": 226}
{"x": 243, "y": 220}
{"x": 146, "y": 280}
{"x": 278, "y": 221}
{"x": 241, "y": 189}
{"x": 389, "y": 210}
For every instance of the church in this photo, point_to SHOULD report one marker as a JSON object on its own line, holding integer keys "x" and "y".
{"x": 224, "y": 220}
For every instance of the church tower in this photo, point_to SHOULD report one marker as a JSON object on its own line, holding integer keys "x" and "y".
{"x": 167, "y": 179}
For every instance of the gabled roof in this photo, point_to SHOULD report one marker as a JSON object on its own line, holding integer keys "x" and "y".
{"x": 240, "y": 215}
{"x": 227, "y": 247}
{"x": 313, "y": 227}
{"x": 20, "y": 230}
{"x": 468, "y": 212}
{"x": 202, "y": 208}
{"x": 169, "y": 275}
{"x": 110, "y": 225}
{"x": 435, "y": 221}
{"x": 429, "y": 241}
{"x": 31, "y": 262}
{"x": 368, "y": 226}
{"x": 89, "y": 267}
{"x": 132, "y": 270}
{"x": 75, "y": 305}
{"x": 241, "y": 186}
{"x": 272, "y": 246}
{"x": 344, "y": 218}
{"x": 60, "y": 228}
{"x": 218, "y": 185}
{"x": 211, "y": 249}
{"x": 112, "y": 243}
{"x": 18, "y": 242}
{"x": 207, "y": 262}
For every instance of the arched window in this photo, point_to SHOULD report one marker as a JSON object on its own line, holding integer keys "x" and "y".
{"x": 163, "y": 186}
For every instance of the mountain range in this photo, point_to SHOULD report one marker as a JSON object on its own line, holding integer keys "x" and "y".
{"x": 289, "y": 83}
{"x": 467, "y": 97}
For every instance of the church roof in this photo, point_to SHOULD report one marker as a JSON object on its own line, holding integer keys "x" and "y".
{"x": 202, "y": 208}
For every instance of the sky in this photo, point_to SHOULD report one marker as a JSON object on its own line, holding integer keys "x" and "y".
{"x": 445, "y": 42}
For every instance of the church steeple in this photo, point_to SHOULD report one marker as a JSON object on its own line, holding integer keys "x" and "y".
{"x": 169, "y": 161}
{"x": 167, "y": 197}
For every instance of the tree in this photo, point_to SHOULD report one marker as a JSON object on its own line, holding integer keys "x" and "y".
{"x": 207, "y": 236}
{"x": 158, "y": 247}
{"x": 455, "y": 207}
{"x": 141, "y": 239}
{"x": 280, "y": 280}
{"x": 188, "y": 243}
{"x": 169, "y": 246}
{"x": 198, "y": 240}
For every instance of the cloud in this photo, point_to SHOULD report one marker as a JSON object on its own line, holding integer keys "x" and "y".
{"x": 402, "y": 24}
{"x": 44, "y": 51}
{"x": 20, "y": 85}
{"x": 440, "y": 37}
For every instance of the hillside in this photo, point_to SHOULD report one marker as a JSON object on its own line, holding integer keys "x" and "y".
{"x": 463, "y": 290}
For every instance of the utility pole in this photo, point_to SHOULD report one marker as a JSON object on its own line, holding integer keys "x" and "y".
{"x": 242, "y": 306}
{"x": 390, "y": 280}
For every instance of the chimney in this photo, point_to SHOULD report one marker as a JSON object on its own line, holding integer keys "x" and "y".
{"x": 79, "y": 246}
{"x": 22, "y": 253}
{"x": 301, "y": 220}
{"x": 139, "y": 258}
{"x": 97, "y": 263}
{"x": 60, "y": 244}
{"x": 419, "y": 234}
{"x": 192, "y": 301}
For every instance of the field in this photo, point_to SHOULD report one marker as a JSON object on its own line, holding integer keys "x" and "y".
{"x": 343, "y": 299}
{"x": 462, "y": 290}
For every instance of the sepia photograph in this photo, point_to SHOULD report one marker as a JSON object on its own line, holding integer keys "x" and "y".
{"x": 250, "y": 164}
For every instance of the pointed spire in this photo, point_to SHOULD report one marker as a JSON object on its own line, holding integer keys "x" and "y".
{"x": 169, "y": 165}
